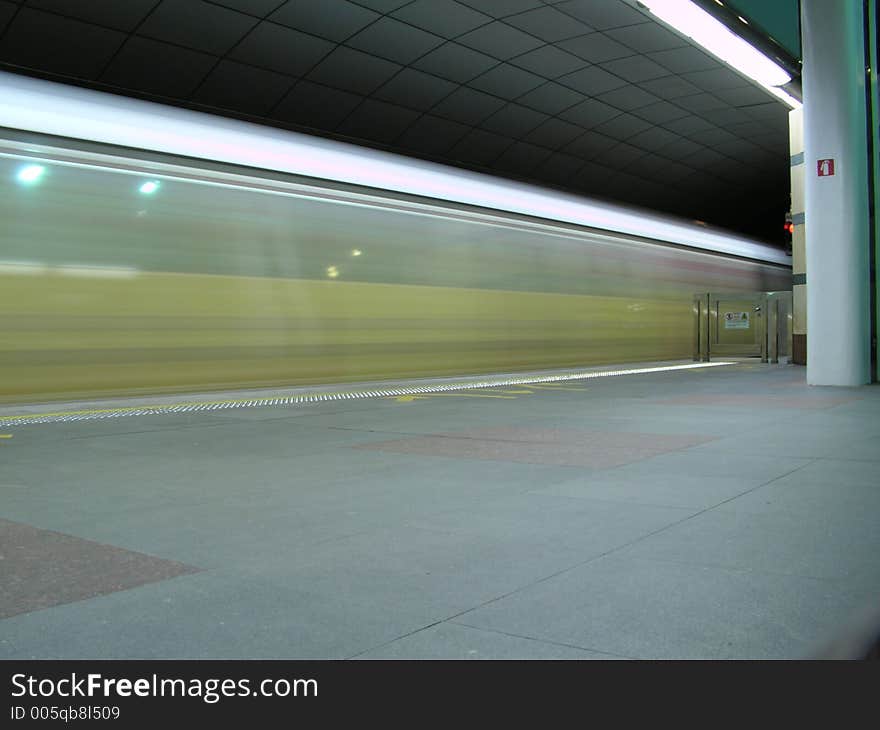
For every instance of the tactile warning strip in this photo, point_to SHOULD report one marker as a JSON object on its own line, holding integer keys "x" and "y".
{"x": 300, "y": 398}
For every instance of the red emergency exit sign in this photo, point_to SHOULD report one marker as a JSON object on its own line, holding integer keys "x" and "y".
{"x": 825, "y": 167}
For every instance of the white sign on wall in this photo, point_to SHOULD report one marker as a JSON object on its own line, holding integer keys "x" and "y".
{"x": 736, "y": 320}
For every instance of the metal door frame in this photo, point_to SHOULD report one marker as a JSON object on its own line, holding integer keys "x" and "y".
{"x": 774, "y": 301}
{"x": 705, "y": 335}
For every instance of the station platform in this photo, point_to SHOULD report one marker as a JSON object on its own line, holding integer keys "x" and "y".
{"x": 712, "y": 511}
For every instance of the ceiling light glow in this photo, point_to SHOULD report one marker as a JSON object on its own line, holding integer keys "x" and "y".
{"x": 31, "y": 173}
{"x": 148, "y": 188}
{"x": 715, "y": 37}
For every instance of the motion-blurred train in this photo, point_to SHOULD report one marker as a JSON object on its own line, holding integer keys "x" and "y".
{"x": 149, "y": 249}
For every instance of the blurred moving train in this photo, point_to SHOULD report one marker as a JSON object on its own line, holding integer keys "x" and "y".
{"x": 148, "y": 249}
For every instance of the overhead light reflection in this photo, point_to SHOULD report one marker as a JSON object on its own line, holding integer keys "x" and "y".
{"x": 332, "y": 272}
{"x": 356, "y": 252}
{"x": 97, "y": 272}
{"x": 30, "y": 174}
{"x": 23, "y": 267}
{"x": 150, "y": 187}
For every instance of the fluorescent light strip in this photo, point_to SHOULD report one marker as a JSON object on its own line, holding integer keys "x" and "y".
{"x": 712, "y": 35}
{"x": 32, "y": 104}
{"x": 277, "y": 400}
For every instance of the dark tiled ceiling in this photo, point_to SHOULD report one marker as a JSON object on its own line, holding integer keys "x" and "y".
{"x": 592, "y": 96}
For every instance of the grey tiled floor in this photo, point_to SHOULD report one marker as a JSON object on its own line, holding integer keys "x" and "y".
{"x": 737, "y": 518}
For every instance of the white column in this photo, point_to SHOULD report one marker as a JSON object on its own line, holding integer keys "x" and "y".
{"x": 838, "y": 303}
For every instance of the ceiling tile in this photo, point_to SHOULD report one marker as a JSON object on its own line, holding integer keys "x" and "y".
{"x": 241, "y": 88}
{"x": 774, "y": 124}
{"x": 158, "y": 68}
{"x": 661, "y": 169}
{"x": 619, "y": 156}
{"x": 770, "y": 111}
{"x": 500, "y": 40}
{"x": 773, "y": 148}
{"x": 716, "y": 78}
{"x": 653, "y": 138}
{"x": 712, "y": 137}
{"x": 684, "y": 60}
{"x": 592, "y": 81}
{"x": 745, "y": 129}
{"x": 595, "y": 47}
{"x": 51, "y": 43}
{"x": 443, "y": 17}
{"x": 602, "y": 15}
{"x": 455, "y": 62}
{"x": 589, "y": 113}
{"x": 727, "y": 117}
{"x": 549, "y": 62}
{"x": 316, "y": 106}
{"x": 7, "y": 10}
{"x": 688, "y": 124}
{"x": 415, "y": 89}
{"x": 701, "y": 103}
{"x": 259, "y": 8}
{"x": 623, "y": 127}
{"x": 378, "y": 121}
{"x": 740, "y": 149}
{"x": 625, "y": 188}
{"x": 467, "y": 106}
{"x": 558, "y": 168}
{"x": 743, "y": 96}
{"x": 514, "y": 120}
{"x": 594, "y": 176}
{"x": 651, "y": 162}
{"x": 554, "y": 133}
{"x": 734, "y": 171}
{"x": 703, "y": 159}
{"x": 334, "y": 21}
{"x": 660, "y": 112}
{"x": 433, "y": 135}
{"x": 479, "y": 146}
{"x": 506, "y": 81}
{"x": 679, "y": 148}
{"x": 199, "y": 26}
{"x": 502, "y": 8}
{"x": 389, "y": 38}
{"x": 548, "y": 24}
{"x": 589, "y": 145}
{"x": 354, "y": 71}
{"x": 647, "y": 37}
{"x": 699, "y": 182}
{"x": 521, "y": 158}
{"x": 628, "y": 98}
{"x": 669, "y": 87}
{"x": 635, "y": 68}
{"x": 550, "y": 98}
{"x": 281, "y": 49}
{"x": 383, "y": 6}
{"x": 111, "y": 13}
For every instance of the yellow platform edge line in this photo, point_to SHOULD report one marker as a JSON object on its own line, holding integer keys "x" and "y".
{"x": 378, "y": 391}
